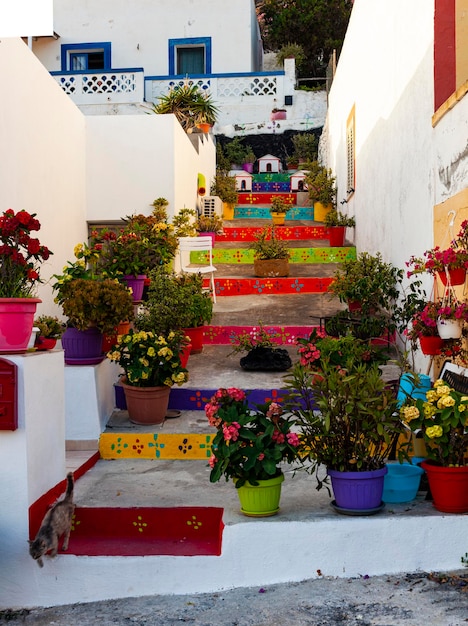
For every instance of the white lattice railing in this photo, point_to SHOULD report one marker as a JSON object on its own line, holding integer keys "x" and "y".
{"x": 222, "y": 88}
{"x": 102, "y": 87}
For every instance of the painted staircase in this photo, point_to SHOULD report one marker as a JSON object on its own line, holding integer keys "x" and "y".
{"x": 148, "y": 521}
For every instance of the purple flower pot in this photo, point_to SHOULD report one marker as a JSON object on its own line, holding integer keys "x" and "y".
{"x": 82, "y": 347}
{"x": 136, "y": 284}
{"x": 358, "y": 491}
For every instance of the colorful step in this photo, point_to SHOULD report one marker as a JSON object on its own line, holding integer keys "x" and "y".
{"x": 270, "y": 286}
{"x": 262, "y": 212}
{"x": 287, "y": 232}
{"x": 297, "y": 255}
{"x": 265, "y": 198}
{"x": 280, "y": 335}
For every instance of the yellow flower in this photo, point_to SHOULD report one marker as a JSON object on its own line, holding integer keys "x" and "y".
{"x": 151, "y": 351}
{"x": 431, "y": 395}
{"x": 168, "y": 382}
{"x": 461, "y": 408}
{"x": 144, "y": 361}
{"x": 78, "y": 249}
{"x": 434, "y": 431}
{"x": 443, "y": 390}
{"x": 429, "y": 410}
{"x": 445, "y": 401}
{"x": 409, "y": 413}
{"x": 165, "y": 352}
{"x": 144, "y": 375}
{"x": 439, "y": 382}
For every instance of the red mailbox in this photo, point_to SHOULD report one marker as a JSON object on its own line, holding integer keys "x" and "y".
{"x": 8, "y": 395}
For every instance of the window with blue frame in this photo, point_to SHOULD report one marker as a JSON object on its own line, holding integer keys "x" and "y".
{"x": 190, "y": 56}
{"x": 79, "y": 57}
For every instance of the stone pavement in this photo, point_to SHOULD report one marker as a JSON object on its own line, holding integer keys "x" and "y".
{"x": 407, "y": 600}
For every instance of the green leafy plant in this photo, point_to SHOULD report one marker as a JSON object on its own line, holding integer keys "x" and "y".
{"x": 189, "y": 104}
{"x": 291, "y": 50}
{"x": 305, "y": 147}
{"x": 209, "y": 224}
{"x": 267, "y": 246}
{"x": 99, "y": 303}
{"x": 143, "y": 243}
{"x": 321, "y": 184}
{"x": 368, "y": 280}
{"x": 258, "y": 337}
{"x": 224, "y": 186}
{"x": 249, "y": 156}
{"x": 175, "y": 301}
{"x": 360, "y": 326}
{"x": 20, "y": 254}
{"x": 236, "y": 151}
{"x": 249, "y": 444}
{"x": 442, "y": 418}
{"x": 345, "y": 414}
{"x": 184, "y": 223}
{"x": 49, "y": 327}
{"x": 336, "y": 218}
{"x": 319, "y": 348}
{"x": 149, "y": 359}
{"x": 279, "y": 205}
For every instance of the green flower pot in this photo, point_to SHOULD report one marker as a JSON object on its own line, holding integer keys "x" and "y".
{"x": 261, "y": 500}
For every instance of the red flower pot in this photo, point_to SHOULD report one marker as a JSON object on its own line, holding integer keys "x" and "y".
{"x": 45, "y": 343}
{"x": 449, "y": 487}
{"x": 196, "y": 338}
{"x": 336, "y": 235}
{"x": 431, "y": 346}
{"x": 457, "y": 277}
{"x": 184, "y": 354}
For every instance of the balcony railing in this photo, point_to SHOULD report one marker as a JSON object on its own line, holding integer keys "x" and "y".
{"x": 103, "y": 87}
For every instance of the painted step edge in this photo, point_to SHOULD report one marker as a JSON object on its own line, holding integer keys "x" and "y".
{"x": 270, "y": 286}
{"x": 281, "y": 335}
{"x": 287, "y": 232}
{"x": 306, "y": 255}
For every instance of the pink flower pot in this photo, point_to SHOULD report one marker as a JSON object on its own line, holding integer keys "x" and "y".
{"x": 16, "y": 323}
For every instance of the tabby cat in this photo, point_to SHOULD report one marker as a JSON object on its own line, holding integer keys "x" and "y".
{"x": 57, "y": 522}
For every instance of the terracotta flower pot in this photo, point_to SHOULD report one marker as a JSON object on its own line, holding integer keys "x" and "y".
{"x": 146, "y": 405}
{"x": 265, "y": 268}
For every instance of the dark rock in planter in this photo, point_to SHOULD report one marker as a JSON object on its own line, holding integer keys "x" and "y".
{"x": 266, "y": 360}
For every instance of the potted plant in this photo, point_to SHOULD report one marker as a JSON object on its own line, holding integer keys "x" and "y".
{"x": 151, "y": 362}
{"x": 209, "y": 225}
{"x": 249, "y": 447}
{"x": 189, "y": 104}
{"x": 235, "y": 152}
{"x": 271, "y": 255}
{"x": 305, "y": 147}
{"x": 20, "y": 259}
{"x": 367, "y": 283}
{"x": 336, "y": 223}
{"x": 249, "y": 160}
{"x": 322, "y": 190}
{"x": 263, "y": 353}
{"x": 93, "y": 307}
{"x": 145, "y": 242}
{"x": 224, "y": 186}
{"x": 441, "y": 418}
{"x": 278, "y": 209}
{"x": 176, "y": 302}
{"x": 346, "y": 417}
{"x": 449, "y": 264}
{"x": 423, "y": 329}
{"x": 50, "y": 329}
{"x": 277, "y": 114}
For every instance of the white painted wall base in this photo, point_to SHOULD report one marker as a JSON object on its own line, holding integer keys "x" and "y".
{"x": 339, "y": 546}
{"x": 90, "y": 399}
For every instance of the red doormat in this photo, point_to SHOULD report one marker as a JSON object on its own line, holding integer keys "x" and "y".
{"x": 175, "y": 531}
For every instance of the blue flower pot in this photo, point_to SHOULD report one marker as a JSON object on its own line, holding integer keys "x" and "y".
{"x": 401, "y": 483}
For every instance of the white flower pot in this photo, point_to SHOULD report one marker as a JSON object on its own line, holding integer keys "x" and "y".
{"x": 449, "y": 329}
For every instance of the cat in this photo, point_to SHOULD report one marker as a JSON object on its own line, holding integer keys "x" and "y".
{"x": 57, "y": 522}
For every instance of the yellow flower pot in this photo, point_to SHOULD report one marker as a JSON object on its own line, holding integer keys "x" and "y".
{"x": 320, "y": 211}
{"x": 228, "y": 211}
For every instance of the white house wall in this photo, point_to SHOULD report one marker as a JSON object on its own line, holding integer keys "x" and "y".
{"x": 42, "y": 150}
{"x": 386, "y": 71}
{"x": 139, "y": 31}
{"x": 134, "y": 159}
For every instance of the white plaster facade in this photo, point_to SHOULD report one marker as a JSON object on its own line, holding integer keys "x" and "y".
{"x": 404, "y": 166}
{"x": 141, "y": 43}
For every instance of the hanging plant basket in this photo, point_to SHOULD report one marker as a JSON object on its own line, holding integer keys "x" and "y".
{"x": 449, "y": 329}
{"x": 453, "y": 277}
{"x": 431, "y": 346}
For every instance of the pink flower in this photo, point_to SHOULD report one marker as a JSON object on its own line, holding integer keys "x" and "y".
{"x": 293, "y": 439}
{"x": 231, "y": 433}
{"x": 274, "y": 410}
{"x": 261, "y": 456}
{"x": 212, "y": 461}
{"x": 278, "y": 437}
{"x": 236, "y": 394}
